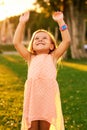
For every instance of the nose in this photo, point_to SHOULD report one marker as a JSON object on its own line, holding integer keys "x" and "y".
{"x": 40, "y": 39}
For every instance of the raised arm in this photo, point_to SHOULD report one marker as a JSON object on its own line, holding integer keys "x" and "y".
{"x": 58, "y": 17}
{"x": 18, "y": 37}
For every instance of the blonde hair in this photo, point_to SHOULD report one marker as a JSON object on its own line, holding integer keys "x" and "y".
{"x": 30, "y": 47}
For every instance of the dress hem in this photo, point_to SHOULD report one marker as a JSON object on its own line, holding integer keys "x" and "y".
{"x": 25, "y": 127}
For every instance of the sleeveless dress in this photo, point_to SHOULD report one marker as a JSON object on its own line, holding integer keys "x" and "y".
{"x": 41, "y": 94}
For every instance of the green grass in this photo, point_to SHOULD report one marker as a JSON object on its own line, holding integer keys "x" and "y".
{"x": 12, "y": 76}
{"x": 73, "y": 88}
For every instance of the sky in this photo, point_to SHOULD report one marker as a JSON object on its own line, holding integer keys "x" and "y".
{"x": 14, "y": 7}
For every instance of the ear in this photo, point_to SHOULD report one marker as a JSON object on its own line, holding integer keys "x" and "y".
{"x": 51, "y": 46}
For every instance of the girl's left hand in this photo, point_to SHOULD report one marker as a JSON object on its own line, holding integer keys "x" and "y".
{"x": 57, "y": 16}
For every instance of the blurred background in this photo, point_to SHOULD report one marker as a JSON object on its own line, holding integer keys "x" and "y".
{"x": 75, "y": 12}
{"x": 71, "y": 73}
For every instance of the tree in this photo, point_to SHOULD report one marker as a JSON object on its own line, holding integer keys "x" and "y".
{"x": 74, "y": 12}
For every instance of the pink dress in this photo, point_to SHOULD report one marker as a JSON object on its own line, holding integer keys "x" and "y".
{"x": 41, "y": 95}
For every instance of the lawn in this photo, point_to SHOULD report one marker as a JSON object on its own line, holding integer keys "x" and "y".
{"x": 73, "y": 87}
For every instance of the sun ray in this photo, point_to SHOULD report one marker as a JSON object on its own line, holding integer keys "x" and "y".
{"x": 14, "y": 7}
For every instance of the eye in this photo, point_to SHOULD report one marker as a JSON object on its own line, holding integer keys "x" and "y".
{"x": 44, "y": 37}
{"x": 36, "y": 38}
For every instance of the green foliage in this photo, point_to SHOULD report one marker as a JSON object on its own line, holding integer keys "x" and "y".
{"x": 69, "y": 53}
{"x": 14, "y": 20}
{"x": 7, "y": 47}
{"x": 36, "y": 21}
{"x": 39, "y": 21}
{"x": 72, "y": 83}
{"x": 49, "y": 5}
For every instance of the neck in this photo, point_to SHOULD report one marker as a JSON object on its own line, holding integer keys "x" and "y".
{"x": 41, "y": 52}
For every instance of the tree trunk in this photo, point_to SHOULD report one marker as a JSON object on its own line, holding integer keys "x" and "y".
{"x": 76, "y": 28}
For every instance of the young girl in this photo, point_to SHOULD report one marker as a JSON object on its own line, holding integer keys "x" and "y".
{"x": 42, "y": 105}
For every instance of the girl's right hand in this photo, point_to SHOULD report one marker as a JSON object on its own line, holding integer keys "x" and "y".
{"x": 24, "y": 17}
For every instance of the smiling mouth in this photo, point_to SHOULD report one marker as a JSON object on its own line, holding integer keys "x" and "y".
{"x": 40, "y": 43}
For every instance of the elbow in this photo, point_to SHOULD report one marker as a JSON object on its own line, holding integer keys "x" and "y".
{"x": 68, "y": 41}
{"x": 15, "y": 43}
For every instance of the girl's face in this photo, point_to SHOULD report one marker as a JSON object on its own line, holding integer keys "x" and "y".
{"x": 42, "y": 43}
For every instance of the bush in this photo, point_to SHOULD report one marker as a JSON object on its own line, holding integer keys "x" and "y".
{"x": 7, "y": 48}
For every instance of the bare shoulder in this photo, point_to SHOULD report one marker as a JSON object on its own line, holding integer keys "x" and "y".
{"x": 31, "y": 57}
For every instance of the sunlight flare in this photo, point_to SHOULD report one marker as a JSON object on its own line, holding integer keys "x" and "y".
{"x": 75, "y": 66}
{"x": 10, "y": 8}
